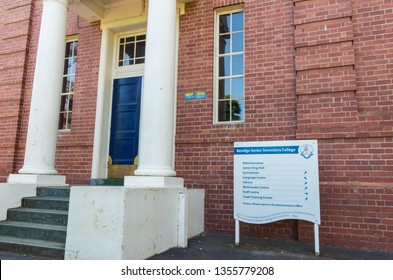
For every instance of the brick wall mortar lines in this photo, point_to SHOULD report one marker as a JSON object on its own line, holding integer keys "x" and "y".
{"x": 354, "y": 126}
{"x": 15, "y": 27}
{"x": 325, "y": 62}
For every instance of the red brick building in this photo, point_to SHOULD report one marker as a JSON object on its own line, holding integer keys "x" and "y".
{"x": 270, "y": 70}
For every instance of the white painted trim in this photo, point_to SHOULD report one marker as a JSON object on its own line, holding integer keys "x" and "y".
{"x": 180, "y": 11}
{"x": 107, "y": 74}
{"x": 137, "y": 70}
{"x": 217, "y": 13}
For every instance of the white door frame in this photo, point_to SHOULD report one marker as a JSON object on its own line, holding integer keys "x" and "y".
{"x": 107, "y": 73}
{"x": 110, "y": 31}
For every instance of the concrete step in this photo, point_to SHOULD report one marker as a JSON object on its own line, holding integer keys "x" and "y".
{"x": 54, "y": 191}
{"x": 45, "y": 216}
{"x": 39, "y": 227}
{"x": 107, "y": 182}
{"x": 39, "y": 231}
{"x": 46, "y": 202}
{"x": 47, "y": 249}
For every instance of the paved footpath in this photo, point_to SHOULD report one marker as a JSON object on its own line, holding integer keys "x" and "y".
{"x": 221, "y": 247}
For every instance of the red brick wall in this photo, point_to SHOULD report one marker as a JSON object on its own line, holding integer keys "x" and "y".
{"x": 317, "y": 69}
{"x": 204, "y": 152}
{"x": 75, "y": 147}
{"x": 15, "y": 25}
{"x": 354, "y": 127}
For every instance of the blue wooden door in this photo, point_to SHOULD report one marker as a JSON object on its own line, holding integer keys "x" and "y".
{"x": 123, "y": 147}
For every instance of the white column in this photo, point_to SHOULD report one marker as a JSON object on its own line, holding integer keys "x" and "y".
{"x": 156, "y": 137}
{"x": 45, "y": 101}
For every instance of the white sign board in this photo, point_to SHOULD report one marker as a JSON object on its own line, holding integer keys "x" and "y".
{"x": 275, "y": 181}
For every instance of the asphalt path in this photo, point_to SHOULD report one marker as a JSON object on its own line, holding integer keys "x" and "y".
{"x": 222, "y": 247}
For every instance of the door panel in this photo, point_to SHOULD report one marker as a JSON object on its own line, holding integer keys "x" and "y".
{"x": 123, "y": 146}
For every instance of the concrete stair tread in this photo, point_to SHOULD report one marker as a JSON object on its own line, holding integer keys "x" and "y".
{"x": 38, "y": 227}
{"x": 34, "y": 225}
{"x": 55, "y": 187}
{"x": 48, "y": 198}
{"x": 32, "y": 242}
{"x": 39, "y": 210}
{"x": 55, "y": 191}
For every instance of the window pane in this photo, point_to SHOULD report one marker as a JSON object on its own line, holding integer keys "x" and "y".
{"x": 230, "y": 56}
{"x": 238, "y": 88}
{"x": 75, "y": 48}
{"x": 66, "y": 87}
{"x": 68, "y": 50}
{"x": 67, "y": 102}
{"x": 129, "y": 54}
{"x": 62, "y": 120}
{"x": 121, "y": 53}
{"x": 69, "y": 66}
{"x": 237, "y": 65}
{"x": 72, "y": 67}
{"x": 225, "y": 44}
{"x": 237, "y": 110}
{"x": 69, "y": 120}
{"x": 139, "y": 61}
{"x": 224, "y": 89}
{"x": 224, "y": 66}
{"x": 237, "y": 23}
{"x": 225, "y": 22}
{"x": 224, "y": 111}
{"x": 132, "y": 51}
{"x": 122, "y": 41}
{"x": 63, "y": 103}
{"x": 140, "y": 49}
{"x": 66, "y": 66}
{"x": 130, "y": 39}
{"x": 70, "y": 101}
{"x": 71, "y": 80}
{"x": 128, "y": 62}
{"x": 237, "y": 42}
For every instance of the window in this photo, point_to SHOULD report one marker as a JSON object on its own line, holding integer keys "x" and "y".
{"x": 131, "y": 50}
{"x": 67, "y": 92}
{"x": 229, "y": 66}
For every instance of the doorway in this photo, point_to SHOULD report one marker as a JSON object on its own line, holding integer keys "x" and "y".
{"x": 124, "y": 132}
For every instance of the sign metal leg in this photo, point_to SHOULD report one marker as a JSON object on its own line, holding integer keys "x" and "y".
{"x": 316, "y": 238}
{"x": 237, "y": 232}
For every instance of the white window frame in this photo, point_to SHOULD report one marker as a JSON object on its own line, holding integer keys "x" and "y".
{"x": 69, "y": 39}
{"x": 218, "y": 12}
{"x": 129, "y": 70}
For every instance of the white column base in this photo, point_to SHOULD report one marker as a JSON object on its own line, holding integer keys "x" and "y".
{"x": 153, "y": 182}
{"x": 41, "y": 180}
{"x": 41, "y": 170}
{"x": 153, "y": 171}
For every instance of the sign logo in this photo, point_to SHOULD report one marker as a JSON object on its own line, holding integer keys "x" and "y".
{"x": 306, "y": 151}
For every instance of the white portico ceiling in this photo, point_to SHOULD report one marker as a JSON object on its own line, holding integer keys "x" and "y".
{"x": 94, "y": 10}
